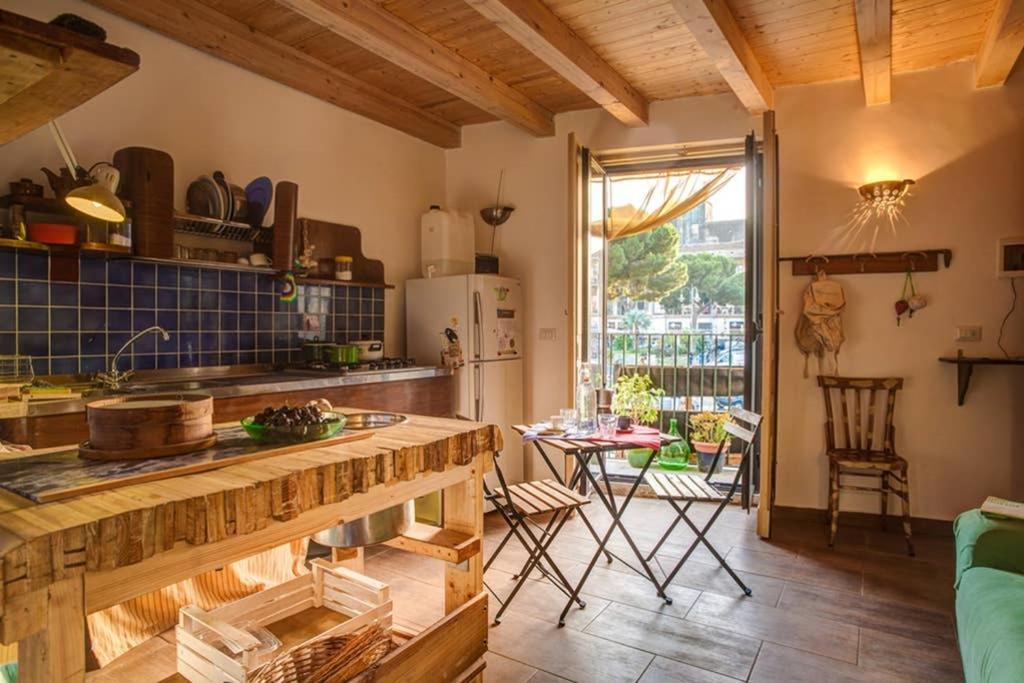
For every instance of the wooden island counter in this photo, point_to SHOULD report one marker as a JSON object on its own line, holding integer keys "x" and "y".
{"x": 63, "y": 560}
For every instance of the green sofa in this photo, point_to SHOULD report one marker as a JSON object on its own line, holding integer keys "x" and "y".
{"x": 990, "y": 597}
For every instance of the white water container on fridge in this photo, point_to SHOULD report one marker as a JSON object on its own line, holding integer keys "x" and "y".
{"x": 447, "y": 243}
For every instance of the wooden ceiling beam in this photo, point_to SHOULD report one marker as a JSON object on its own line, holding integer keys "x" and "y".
{"x": 194, "y": 24}
{"x": 534, "y": 26}
{"x": 370, "y": 26}
{"x": 874, "y": 38}
{"x": 716, "y": 31}
{"x": 1002, "y": 45}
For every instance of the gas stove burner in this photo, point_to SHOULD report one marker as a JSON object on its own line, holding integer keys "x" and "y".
{"x": 366, "y": 366}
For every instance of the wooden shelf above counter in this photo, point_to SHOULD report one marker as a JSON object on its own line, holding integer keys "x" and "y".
{"x": 348, "y": 283}
{"x": 48, "y": 71}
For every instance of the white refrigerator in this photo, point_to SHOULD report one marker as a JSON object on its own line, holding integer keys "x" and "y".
{"x": 485, "y": 312}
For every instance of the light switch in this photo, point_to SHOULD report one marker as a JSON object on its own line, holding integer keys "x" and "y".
{"x": 968, "y": 333}
{"x": 547, "y": 334}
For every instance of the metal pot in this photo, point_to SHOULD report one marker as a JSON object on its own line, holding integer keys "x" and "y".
{"x": 372, "y": 349}
{"x": 370, "y": 530}
{"x": 341, "y": 354}
{"x": 313, "y": 351}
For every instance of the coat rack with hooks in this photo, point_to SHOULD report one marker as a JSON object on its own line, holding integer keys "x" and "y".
{"x": 922, "y": 261}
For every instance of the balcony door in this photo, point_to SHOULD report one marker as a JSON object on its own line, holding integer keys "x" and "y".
{"x": 675, "y": 301}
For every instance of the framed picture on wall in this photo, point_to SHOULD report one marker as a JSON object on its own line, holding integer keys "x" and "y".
{"x": 1011, "y": 257}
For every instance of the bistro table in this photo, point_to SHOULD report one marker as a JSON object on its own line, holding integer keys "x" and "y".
{"x": 577, "y": 454}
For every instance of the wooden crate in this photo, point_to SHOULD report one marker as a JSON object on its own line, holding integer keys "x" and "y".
{"x": 449, "y": 651}
{"x": 363, "y": 600}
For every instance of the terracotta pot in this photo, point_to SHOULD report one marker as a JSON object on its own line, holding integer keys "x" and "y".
{"x": 706, "y": 455}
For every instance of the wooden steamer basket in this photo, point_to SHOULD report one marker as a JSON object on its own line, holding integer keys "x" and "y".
{"x": 150, "y": 426}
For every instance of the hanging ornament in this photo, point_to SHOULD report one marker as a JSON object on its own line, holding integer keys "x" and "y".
{"x": 289, "y": 290}
{"x": 910, "y": 301}
{"x": 901, "y": 306}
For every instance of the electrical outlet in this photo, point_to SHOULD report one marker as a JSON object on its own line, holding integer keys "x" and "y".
{"x": 546, "y": 334}
{"x": 968, "y": 333}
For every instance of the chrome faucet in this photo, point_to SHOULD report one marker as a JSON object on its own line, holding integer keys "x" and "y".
{"x": 113, "y": 378}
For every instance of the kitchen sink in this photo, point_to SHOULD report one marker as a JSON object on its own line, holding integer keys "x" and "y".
{"x": 189, "y": 385}
{"x": 373, "y": 420}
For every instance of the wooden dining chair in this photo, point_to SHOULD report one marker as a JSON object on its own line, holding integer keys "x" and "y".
{"x": 860, "y": 442}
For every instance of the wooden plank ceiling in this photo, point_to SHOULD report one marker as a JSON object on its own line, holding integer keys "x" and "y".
{"x": 517, "y": 59}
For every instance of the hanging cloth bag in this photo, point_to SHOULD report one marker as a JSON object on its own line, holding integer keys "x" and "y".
{"x": 819, "y": 329}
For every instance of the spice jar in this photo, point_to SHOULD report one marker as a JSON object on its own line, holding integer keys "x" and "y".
{"x": 342, "y": 267}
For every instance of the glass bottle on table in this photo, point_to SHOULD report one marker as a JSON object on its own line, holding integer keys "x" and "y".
{"x": 586, "y": 401}
{"x": 676, "y": 455}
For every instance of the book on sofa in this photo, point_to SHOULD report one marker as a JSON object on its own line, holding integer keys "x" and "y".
{"x": 1000, "y": 507}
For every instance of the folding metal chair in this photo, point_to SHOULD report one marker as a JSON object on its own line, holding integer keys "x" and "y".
{"x": 679, "y": 488}
{"x": 517, "y": 504}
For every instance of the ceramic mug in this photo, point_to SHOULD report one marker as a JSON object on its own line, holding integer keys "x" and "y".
{"x": 259, "y": 259}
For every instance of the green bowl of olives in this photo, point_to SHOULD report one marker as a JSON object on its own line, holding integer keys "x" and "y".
{"x": 293, "y": 425}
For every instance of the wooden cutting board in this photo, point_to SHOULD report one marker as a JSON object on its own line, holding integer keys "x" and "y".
{"x": 59, "y": 473}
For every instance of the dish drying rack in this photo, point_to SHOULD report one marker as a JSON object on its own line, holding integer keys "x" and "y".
{"x": 214, "y": 227}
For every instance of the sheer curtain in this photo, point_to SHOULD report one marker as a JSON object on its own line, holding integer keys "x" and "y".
{"x": 645, "y": 202}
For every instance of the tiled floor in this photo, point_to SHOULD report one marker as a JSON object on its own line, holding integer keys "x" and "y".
{"x": 863, "y": 612}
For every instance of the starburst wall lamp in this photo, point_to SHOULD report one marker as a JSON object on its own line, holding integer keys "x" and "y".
{"x": 885, "y": 196}
{"x": 881, "y": 202}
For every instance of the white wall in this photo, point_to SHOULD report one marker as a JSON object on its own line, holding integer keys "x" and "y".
{"x": 964, "y": 148}
{"x": 208, "y": 114}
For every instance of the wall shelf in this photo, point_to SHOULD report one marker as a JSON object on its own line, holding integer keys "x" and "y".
{"x": 965, "y": 368}
{"x": 348, "y": 283}
{"x": 333, "y": 239}
{"x": 48, "y": 71}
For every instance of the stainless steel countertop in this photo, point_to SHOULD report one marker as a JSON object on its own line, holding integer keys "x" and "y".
{"x": 226, "y": 382}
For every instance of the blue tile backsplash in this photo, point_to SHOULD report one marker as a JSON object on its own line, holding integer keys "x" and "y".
{"x": 216, "y": 316}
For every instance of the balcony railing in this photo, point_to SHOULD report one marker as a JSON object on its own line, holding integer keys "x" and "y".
{"x": 698, "y": 371}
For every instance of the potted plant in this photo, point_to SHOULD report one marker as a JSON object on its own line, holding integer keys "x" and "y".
{"x": 636, "y": 402}
{"x": 707, "y": 431}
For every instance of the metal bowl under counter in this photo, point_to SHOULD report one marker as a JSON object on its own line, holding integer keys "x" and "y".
{"x": 370, "y": 530}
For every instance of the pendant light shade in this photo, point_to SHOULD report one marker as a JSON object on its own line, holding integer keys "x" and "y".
{"x": 97, "y": 201}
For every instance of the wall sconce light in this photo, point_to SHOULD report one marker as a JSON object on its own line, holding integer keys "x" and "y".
{"x": 885, "y": 193}
{"x": 882, "y": 199}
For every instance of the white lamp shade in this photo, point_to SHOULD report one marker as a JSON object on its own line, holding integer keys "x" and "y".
{"x": 97, "y": 201}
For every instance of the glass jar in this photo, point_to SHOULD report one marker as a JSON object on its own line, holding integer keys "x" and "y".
{"x": 120, "y": 234}
{"x": 343, "y": 268}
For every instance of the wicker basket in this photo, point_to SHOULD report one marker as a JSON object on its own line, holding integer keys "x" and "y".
{"x": 214, "y": 646}
{"x": 327, "y": 659}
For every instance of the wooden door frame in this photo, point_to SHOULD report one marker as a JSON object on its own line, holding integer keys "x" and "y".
{"x": 770, "y": 333}
{"x": 572, "y": 339}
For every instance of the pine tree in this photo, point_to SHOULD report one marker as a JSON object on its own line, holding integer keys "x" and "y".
{"x": 646, "y": 267}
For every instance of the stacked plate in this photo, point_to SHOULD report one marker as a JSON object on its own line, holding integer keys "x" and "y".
{"x": 214, "y": 197}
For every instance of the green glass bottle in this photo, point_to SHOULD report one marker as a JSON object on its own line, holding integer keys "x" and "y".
{"x": 676, "y": 455}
